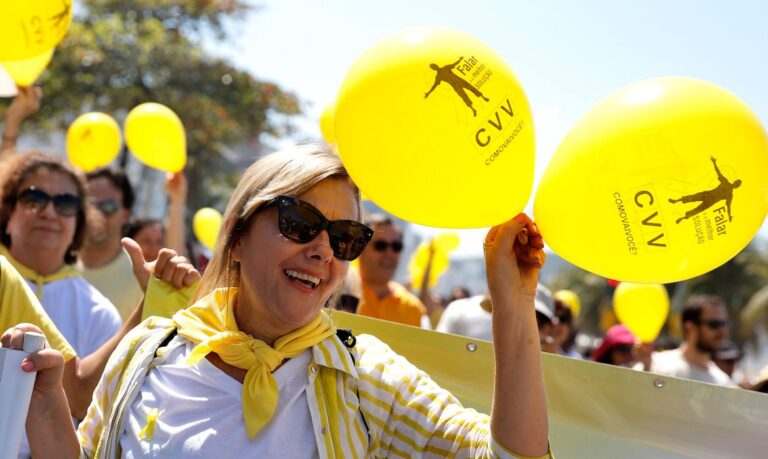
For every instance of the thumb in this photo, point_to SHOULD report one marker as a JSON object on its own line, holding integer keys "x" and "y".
{"x": 140, "y": 265}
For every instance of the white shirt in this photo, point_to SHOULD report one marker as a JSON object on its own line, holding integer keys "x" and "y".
{"x": 201, "y": 412}
{"x": 673, "y": 363}
{"x": 84, "y": 316}
{"x": 467, "y": 317}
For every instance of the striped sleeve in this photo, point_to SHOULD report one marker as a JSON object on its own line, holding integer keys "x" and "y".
{"x": 409, "y": 414}
{"x": 91, "y": 428}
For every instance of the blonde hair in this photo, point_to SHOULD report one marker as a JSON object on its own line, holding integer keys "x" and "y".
{"x": 290, "y": 172}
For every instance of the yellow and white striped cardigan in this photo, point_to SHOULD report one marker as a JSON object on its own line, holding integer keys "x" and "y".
{"x": 366, "y": 401}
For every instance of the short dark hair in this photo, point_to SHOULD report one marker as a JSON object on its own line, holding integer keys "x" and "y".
{"x": 695, "y": 304}
{"x": 119, "y": 180}
{"x": 135, "y": 226}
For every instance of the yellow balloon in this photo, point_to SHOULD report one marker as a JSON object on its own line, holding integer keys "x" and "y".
{"x": 29, "y": 28}
{"x": 26, "y": 71}
{"x": 661, "y": 181}
{"x": 206, "y": 224}
{"x": 156, "y": 136}
{"x": 446, "y": 242}
{"x": 93, "y": 141}
{"x": 643, "y": 308}
{"x": 417, "y": 266}
{"x": 443, "y": 115}
{"x": 326, "y": 124}
{"x": 570, "y": 299}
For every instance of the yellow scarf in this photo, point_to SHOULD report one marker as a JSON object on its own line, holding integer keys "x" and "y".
{"x": 65, "y": 272}
{"x": 210, "y": 323}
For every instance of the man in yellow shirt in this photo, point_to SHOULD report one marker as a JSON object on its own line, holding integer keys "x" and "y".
{"x": 382, "y": 297}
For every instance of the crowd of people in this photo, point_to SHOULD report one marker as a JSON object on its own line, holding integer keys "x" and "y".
{"x": 251, "y": 362}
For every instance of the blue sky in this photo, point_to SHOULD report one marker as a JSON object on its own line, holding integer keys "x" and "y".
{"x": 566, "y": 54}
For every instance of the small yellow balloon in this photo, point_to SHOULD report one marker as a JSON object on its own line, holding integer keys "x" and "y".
{"x": 435, "y": 107}
{"x": 206, "y": 224}
{"x": 29, "y": 28}
{"x": 661, "y": 181}
{"x": 26, "y": 71}
{"x": 417, "y": 265}
{"x": 570, "y": 299}
{"x": 326, "y": 124}
{"x": 156, "y": 136}
{"x": 93, "y": 141}
{"x": 643, "y": 308}
{"x": 446, "y": 242}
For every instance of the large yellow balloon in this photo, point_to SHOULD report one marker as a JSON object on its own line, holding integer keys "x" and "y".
{"x": 26, "y": 71}
{"x": 29, "y": 28}
{"x": 435, "y": 128}
{"x": 156, "y": 136}
{"x": 93, "y": 141}
{"x": 570, "y": 299}
{"x": 643, "y": 308}
{"x": 206, "y": 224}
{"x": 326, "y": 124}
{"x": 661, "y": 181}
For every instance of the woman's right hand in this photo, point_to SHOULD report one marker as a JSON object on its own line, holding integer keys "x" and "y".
{"x": 48, "y": 362}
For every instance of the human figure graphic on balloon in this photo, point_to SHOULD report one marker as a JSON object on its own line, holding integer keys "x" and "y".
{"x": 460, "y": 85}
{"x": 59, "y": 18}
{"x": 708, "y": 198}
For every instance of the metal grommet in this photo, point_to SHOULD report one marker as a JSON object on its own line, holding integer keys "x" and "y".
{"x": 471, "y": 347}
{"x": 658, "y": 383}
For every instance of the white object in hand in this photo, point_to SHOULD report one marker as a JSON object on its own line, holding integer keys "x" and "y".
{"x": 15, "y": 393}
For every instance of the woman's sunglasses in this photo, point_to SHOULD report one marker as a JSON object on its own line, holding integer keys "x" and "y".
{"x": 107, "y": 207}
{"x": 65, "y": 204}
{"x": 381, "y": 246}
{"x": 301, "y": 222}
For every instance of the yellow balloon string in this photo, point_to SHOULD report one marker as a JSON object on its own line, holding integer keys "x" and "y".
{"x": 149, "y": 430}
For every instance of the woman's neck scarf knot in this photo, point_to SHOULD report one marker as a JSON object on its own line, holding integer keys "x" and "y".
{"x": 210, "y": 324}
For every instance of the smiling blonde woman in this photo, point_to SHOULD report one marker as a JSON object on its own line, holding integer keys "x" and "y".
{"x": 255, "y": 366}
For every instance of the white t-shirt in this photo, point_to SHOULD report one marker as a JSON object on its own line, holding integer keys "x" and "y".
{"x": 201, "y": 412}
{"x": 83, "y": 315}
{"x": 467, "y": 317}
{"x": 673, "y": 363}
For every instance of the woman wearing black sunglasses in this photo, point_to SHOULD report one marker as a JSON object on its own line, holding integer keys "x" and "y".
{"x": 42, "y": 226}
{"x": 255, "y": 367}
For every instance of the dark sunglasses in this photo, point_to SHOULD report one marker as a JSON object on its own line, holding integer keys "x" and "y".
{"x": 381, "y": 246}
{"x": 716, "y": 324}
{"x": 65, "y": 204}
{"x": 301, "y": 222}
{"x": 108, "y": 207}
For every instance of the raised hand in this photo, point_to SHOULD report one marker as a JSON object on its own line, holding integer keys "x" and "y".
{"x": 170, "y": 267}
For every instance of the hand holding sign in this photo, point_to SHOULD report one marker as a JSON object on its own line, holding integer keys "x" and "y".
{"x": 441, "y": 113}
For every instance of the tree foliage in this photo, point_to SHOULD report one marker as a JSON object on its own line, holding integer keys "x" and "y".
{"x": 120, "y": 53}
